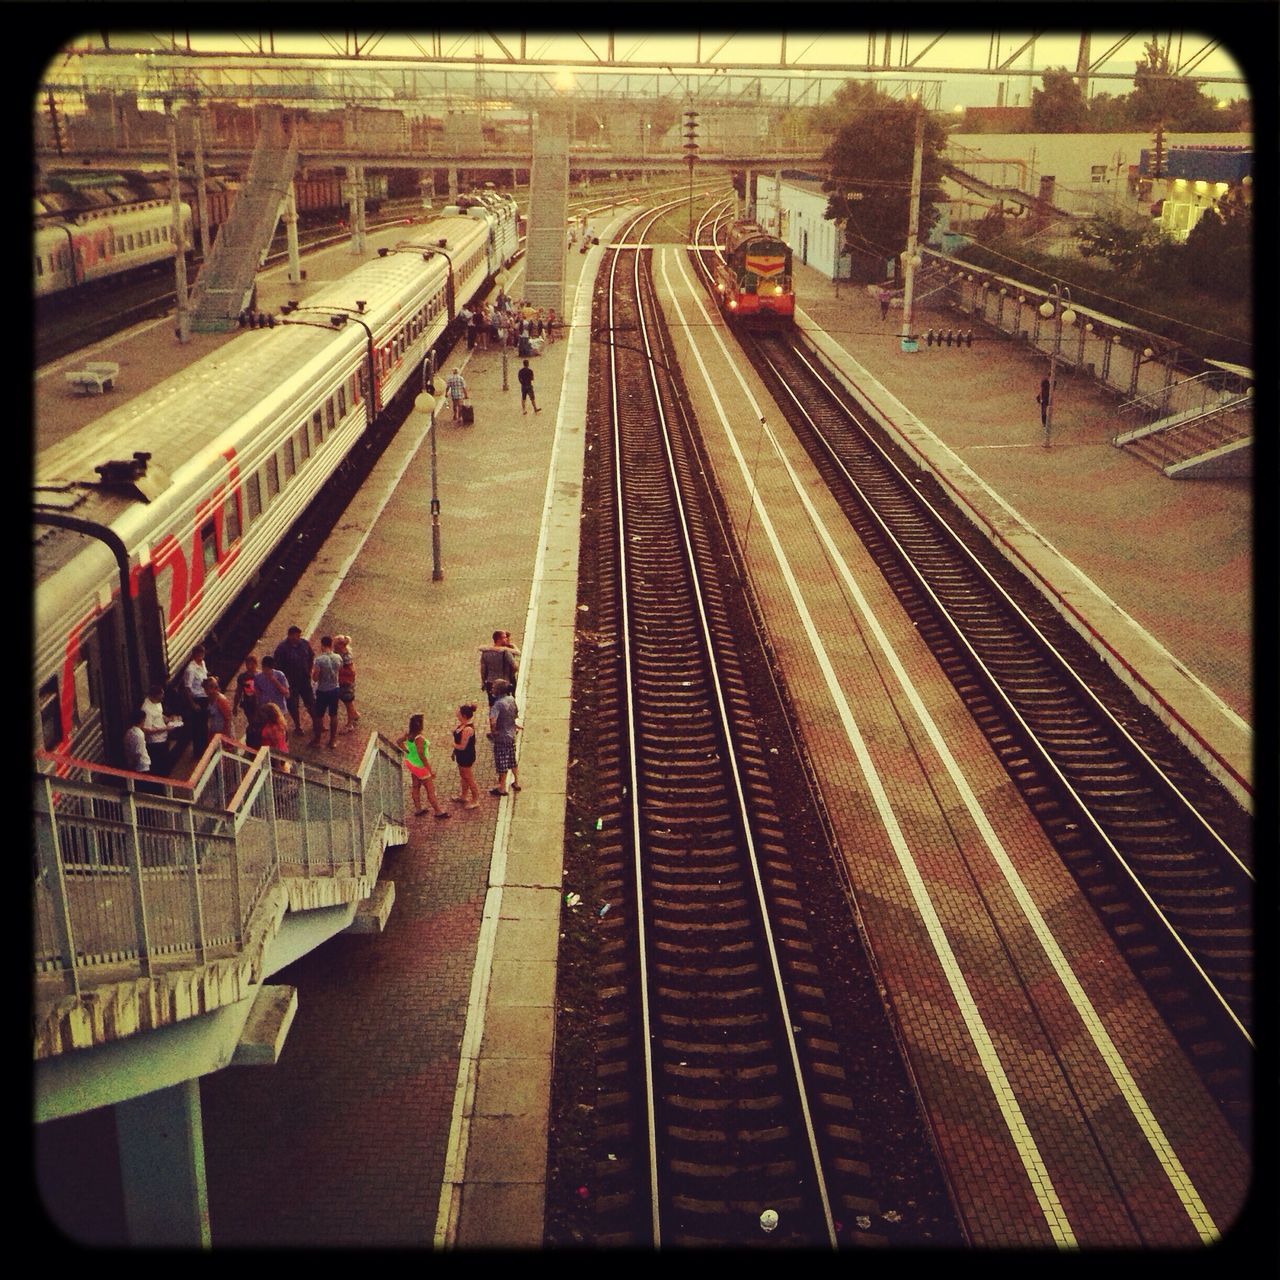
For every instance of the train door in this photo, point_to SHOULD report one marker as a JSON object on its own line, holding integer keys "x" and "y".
{"x": 804, "y": 247}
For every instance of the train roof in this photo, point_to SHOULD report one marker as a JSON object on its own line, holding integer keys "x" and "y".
{"x": 193, "y": 415}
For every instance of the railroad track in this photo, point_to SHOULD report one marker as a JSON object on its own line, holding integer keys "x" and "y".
{"x": 1172, "y": 892}
{"x": 728, "y": 1109}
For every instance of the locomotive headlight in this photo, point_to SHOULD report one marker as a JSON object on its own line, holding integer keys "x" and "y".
{"x": 733, "y": 304}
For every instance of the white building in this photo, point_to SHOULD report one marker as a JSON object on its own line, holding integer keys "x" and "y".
{"x": 795, "y": 210}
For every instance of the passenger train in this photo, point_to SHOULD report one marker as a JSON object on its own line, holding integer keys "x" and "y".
{"x": 97, "y": 244}
{"x": 753, "y": 276}
{"x": 184, "y": 491}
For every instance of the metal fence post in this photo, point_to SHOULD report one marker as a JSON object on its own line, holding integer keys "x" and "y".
{"x": 197, "y": 910}
{"x": 49, "y": 867}
{"x": 133, "y": 857}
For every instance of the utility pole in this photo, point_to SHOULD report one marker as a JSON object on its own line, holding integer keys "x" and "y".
{"x": 183, "y": 330}
{"x": 913, "y": 230}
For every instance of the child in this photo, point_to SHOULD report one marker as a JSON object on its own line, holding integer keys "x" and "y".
{"x": 464, "y": 755}
{"x": 347, "y": 680}
{"x": 415, "y": 747}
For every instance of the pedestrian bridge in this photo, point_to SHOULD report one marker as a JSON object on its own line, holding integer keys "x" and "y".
{"x": 158, "y": 901}
{"x": 160, "y": 909}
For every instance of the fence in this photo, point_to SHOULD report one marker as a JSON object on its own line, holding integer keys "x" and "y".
{"x": 130, "y": 872}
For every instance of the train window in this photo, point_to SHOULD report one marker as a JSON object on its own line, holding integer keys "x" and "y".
{"x": 253, "y": 487}
{"x": 131, "y": 241}
{"x": 302, "y": 445}
{"x": 342, "y": 402}
{"x": 317, "y": 428}
{"x": 273, "y": 476}
{"x": 290, "y": 463}
{"x": 230, "y": 519}
{"x": 209, "y": 546}
{"x": 85, "y": 698}
{"x": 164, "y": 587}
{"x": 50, "y": 714}
{"x": 362, "y": 385}
{"x": 39, "y": 268}
{"x": 328, "y": 415}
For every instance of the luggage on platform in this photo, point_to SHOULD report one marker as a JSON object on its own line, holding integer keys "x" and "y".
{"x": 468, "y": 414}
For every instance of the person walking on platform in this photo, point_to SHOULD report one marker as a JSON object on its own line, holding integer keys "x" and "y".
{"x": 347, "y": 680}
{"x": 294, "y": 657}
{"x": 325, "y": 671}
{"x": 503, "y": 727}
{"x": 456, "y": 389}
{"x": 1043, "y": 401}
{"x": 464, "y": 756}
{"x": 525, "y": 377}
{"x": 193, "y": 677}
{"x": 884, "y": 298}
{"x": 498, "y": 661}
{"x": 416, "y": 759}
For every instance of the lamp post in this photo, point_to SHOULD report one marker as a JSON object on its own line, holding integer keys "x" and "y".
{"x": 424, "y": 406}
{"x": 1060, "y": 308}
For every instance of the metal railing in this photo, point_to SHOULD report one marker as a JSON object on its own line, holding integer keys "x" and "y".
{"x": 1189, "y": 398}
{"x": 130, "y": 872}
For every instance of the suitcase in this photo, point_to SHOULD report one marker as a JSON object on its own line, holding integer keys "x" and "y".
{"x": 468, "y": 414}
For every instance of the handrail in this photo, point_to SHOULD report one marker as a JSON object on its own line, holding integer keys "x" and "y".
{"x": 128, "y": 877}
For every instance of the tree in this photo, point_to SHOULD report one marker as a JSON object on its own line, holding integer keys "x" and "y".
{"x": 1124, "y": 245}
{"x": 1219, "y": 249}
{"x": 870, "y": 181}
{"x": 1162, "y": 100}
{"x": 1059, "y": 107}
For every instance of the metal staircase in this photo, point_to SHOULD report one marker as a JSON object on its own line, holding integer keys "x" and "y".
{"x": 548, "y": 212}
{"x": 1199, "y": 428}
{"x": 143, "y": 897}
{"x": 225, "y": 284}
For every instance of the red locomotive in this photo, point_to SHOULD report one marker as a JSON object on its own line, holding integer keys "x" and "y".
{"x": 754, "y": 276}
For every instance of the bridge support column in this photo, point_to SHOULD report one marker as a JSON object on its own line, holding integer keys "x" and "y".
{"x": 355, "y": 202}
{"x": 290, "y": 218}
{"x": 161, "y": 1139}
{"x": 453, "y": 184}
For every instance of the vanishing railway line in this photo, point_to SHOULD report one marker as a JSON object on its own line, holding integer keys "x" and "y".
{"x": 726, "y": 1101}
{"x": 1171, "y": 891}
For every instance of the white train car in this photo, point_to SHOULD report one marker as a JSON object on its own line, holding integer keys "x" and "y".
{"x": 235, "y": 448}
{"x": 104, "y": 243}
{"x": 500, "y": 214}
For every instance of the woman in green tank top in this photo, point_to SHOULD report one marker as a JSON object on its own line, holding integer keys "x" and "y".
{"x": 416, "y": 747}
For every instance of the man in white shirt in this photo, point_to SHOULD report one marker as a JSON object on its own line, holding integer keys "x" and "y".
{"x": 136, "y": 757}
{"x": 193, "y": 677}
{"x": 156, "y": 726}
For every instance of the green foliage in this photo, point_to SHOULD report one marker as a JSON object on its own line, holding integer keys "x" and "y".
{"x": 1218, "y": 252}
{"x": 1060, "y": 106}
{"x": 1162, "y": 98}
{"x": 870, "y": 179}
{"x": 1120, "y": 243}
{"x": 1159, "y": 295}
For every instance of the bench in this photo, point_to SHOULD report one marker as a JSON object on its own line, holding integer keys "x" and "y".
{"x": 96, "y": 377}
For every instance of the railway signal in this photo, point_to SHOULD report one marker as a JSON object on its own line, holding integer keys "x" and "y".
{"x": 690, "y": 156}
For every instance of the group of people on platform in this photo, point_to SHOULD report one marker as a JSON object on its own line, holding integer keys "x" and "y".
{"x": 499, "y": 669}
{"x": 507, "y": 323}
{"x": 271, "y": 691}
{"x": 292, "y": 677}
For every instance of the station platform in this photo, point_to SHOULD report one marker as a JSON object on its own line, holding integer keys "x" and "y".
{"x": 1156, "y": 573}
{"x": 410, "y": 1106}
